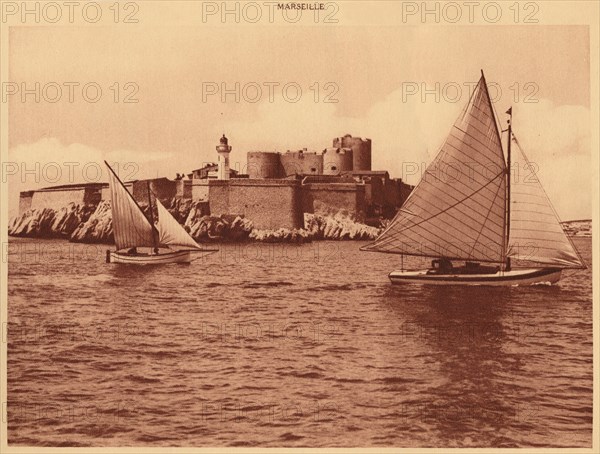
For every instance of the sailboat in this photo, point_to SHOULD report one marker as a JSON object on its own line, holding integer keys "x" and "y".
{"x": 464, "y": 209}
{"x": 133, "y": 230}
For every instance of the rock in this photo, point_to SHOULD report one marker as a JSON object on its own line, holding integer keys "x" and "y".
{"x": 93, "y": 224}
{"x": 338, "y": 227}
{"x": 281, "y": 236}
{"x": 50, "y": 223}
{"x": 240, "y": 229}
{"x": 205, "y": 228}
{"x": 181, "y": 209}
{"x": 68, "y": 218}
{"x": 98, "y": 228}
{"x": 224, "y": 228}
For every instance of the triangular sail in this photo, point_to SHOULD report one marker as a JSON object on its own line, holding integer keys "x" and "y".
{"x": 458, "y": 208}
{"x": 131, "y": 228}
{"x": 535, "y": 231}
{"x": 170, "y": 232}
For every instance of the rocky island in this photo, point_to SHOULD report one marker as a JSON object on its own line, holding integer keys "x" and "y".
{"x": 294, "y": 196}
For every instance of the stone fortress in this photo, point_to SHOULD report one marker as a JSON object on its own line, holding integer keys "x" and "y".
{"x": 274, "y": 190}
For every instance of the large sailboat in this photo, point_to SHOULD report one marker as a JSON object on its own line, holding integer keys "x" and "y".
{"x": 465, "y": 208}
{"x": 133, "y": 230}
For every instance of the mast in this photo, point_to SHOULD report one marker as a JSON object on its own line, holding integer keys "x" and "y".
{"x": 508, "y": 178}
{"x": 151, "y": 212}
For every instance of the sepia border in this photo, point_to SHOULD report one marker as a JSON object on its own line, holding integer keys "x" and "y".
{"x": 354, "y": 13}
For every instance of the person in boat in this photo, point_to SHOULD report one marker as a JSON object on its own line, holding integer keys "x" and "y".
{"x": 441, "y": 266}
{"x": 132, "y": 251}
{"x": 155, "y": 251}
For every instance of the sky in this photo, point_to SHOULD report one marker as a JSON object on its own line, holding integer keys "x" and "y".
{"x": 376, "y": 76}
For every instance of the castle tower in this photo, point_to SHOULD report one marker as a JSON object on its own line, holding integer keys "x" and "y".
{"x": 361, "y": 151}
{"x": 223, "y": 149}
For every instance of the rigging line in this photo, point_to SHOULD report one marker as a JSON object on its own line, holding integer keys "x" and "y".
{"x": 530, "y": 240}
{"x": 392, "y": 237}
{"x": 483, "y": 134}
{"x": 444, "y": 244}
{"x": 444, "y": 200}
{"x": 457, "y": 203}
{"x": 549, "y": 232}
{"x": 482, "y": 120}
{"x": 437, "y": 158}
{"x": 366, "y": 248}
{"x": 486, "y": 218}
{"x": 436, "y": 246}
{"x": 550, "y": 203}
{"x": 543, "y": 213}
{"x": 496, "y": 119}
{"x": 432, "y": 216}
{"x": 529, "y": 194}
{"x": 479, "y": 152}
{"x": 475, "y": 139}
{"x": 494, "y": 114}
{"x": 533, "y": 221}
{"x": 460, "y": 220}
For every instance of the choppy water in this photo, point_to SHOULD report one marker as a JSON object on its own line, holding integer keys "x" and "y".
{"x": 281, "y": 345}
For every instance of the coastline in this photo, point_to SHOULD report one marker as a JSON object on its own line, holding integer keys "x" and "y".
{"x": 92, "y": 224}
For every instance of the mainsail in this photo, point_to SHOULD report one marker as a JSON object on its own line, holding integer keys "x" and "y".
{"x": 535, "y": 231}
{"x": 131, "y": 228}
{"x": 170, "y": 232}
{"x": 458, "y": 208}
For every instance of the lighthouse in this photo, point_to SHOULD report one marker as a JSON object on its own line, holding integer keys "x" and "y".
{"x": 223, "y": 149}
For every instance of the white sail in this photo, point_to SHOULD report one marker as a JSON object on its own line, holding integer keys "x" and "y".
{"x": 458, "y": 208}
{"x": 535, "y": 230}
{"x": 131, "y": 228}
{"x": 170, "y": 232}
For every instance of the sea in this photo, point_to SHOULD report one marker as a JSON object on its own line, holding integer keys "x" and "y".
{"x": 283, "y": 345}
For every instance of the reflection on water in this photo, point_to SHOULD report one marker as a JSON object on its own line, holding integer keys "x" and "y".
{"x": 292, "y": 346}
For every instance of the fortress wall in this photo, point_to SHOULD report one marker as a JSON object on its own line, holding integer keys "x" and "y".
{"x": 302, "y": 162}
{"x": 105, "y": 193}
{"x": 391, "y": 193}
{"x": 327, "y": 198}
{"x": 337, "y": 160}
{"x": 163, "y": 188}
{"x": 57, "y": 198}
{"x": 186, "y": 188}
{"x": 269, "y": 204}
{"x": 377, "y": 192}
{"x": 361, "y": 150}
{"x": 199, "y": 189}
{"x": 263, "y": 164}
{"x": 92, "y": 196}
{"x": 179, "y": 188}
{"x": 405, "y": 190}
{"x": 25, "y": 199}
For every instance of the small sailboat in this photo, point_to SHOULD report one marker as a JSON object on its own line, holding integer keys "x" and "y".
{"x": 464, "y": 209}
{"x": 133, "y": 230}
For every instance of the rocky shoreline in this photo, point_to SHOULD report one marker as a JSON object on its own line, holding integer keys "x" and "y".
{"x": 93, "y": 224}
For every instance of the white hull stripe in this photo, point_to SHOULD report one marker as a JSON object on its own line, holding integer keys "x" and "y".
{"x": 174, "y": 257}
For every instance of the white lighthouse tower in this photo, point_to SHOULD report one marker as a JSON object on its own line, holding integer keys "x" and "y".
{"x": 223, "y": 149}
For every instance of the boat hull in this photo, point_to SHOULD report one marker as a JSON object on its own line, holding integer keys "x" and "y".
{"x": 150, "y": 259}
{"x": 517, "y": 277}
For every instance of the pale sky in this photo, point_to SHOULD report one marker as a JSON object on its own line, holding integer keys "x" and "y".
{"x": 171, "y": 129}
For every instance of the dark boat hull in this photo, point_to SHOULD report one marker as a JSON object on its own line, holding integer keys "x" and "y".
{"x": 516, "y": 277}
